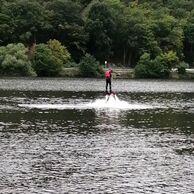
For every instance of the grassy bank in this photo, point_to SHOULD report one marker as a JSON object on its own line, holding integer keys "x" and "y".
{"x": 125, "y": 73}
{"x": 188, "y": 75}
{"x": 117, "y": 73}
{"x": 70, "y": 72}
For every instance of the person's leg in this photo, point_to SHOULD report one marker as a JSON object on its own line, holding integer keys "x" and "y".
{"x": 106, "y": 86}
{"x": 110, "y": 86}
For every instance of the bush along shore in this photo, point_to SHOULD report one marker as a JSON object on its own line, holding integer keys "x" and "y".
{"x": 53, "y": 60}
{"x": 127, "y": 73}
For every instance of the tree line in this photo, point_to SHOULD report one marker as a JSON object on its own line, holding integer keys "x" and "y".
{"x": 152, "y": 36}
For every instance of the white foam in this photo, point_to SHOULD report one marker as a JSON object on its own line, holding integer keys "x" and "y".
{"x": 52, "y": 106}
{"x": 110, "y": 102}
{"x": 113, "y": 102}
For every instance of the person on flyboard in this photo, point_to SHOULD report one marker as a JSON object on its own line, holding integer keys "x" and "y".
{"x": 108, "y": 77}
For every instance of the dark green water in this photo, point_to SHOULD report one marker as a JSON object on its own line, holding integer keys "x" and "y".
{"x": 103, "y": 150}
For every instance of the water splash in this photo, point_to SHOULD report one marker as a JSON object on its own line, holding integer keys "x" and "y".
{"x": 110, "y": 102}
{"x": 113, "y": 102}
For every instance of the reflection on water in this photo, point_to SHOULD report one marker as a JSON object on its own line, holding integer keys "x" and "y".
{"x": 96, "y": 150}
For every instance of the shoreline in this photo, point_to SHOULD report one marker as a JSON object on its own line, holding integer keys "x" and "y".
{"x": 118, "y": 73}
{"x": 128, "y": 73}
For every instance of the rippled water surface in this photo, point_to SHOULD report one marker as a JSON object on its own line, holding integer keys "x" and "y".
{"x": 96, "y": 149}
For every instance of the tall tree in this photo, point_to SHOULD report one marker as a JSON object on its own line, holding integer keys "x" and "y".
{"x": 6, "y": 29}
{"x": 68, "y": 26}
{"x": 119, "y": 32}
{"x": 139, "y": 36}
{"x": 168, "y": 32}
{"x": 189, "y": 39}
{"x": 27, "y": 18}
{"x": 100, "y": 26}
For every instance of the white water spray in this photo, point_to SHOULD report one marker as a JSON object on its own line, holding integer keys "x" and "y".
{"x": 113, "y": 102}
{"x": 110, "y": 102}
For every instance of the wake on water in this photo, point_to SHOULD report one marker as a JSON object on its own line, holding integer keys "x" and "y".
{"x": 110, "y": 102}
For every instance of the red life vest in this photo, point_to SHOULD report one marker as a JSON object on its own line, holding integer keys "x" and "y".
{"x": 107, "y": 74}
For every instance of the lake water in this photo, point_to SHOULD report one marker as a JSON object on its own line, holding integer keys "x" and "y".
{"x": 58, "y": 136}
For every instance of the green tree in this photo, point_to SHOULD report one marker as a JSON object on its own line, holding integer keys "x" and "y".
{"x": 180, "y": 8}
{"x": 44, "y": 62}
{"x": 189, "y": 39}
{"x": 59, "y": 52}
{"x": 168, "y": 32}
{"x": 89, "y": 67}
{"x": 119, "y": 32}
{"x": 6, "y": 28}
{"x": 27, "y": 19}
{"x": 14, "y": 61}
{"x": 140, "y": 37}
{"x": 159, "y": 67}
{"x": 68, "y": 26}
{"x": 100, "y": 27}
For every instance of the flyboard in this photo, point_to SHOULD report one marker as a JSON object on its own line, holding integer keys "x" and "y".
{"x": 110, "y": 101}
{"x": 111, "y": 96}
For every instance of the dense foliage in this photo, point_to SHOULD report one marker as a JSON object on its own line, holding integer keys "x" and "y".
{"x": 159, "y": 67}
{"x": 14, "y": 61}
{"x": 50, "y": 58}
{"x": 89, "y": 67}
{"x": 128, "y": 32}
